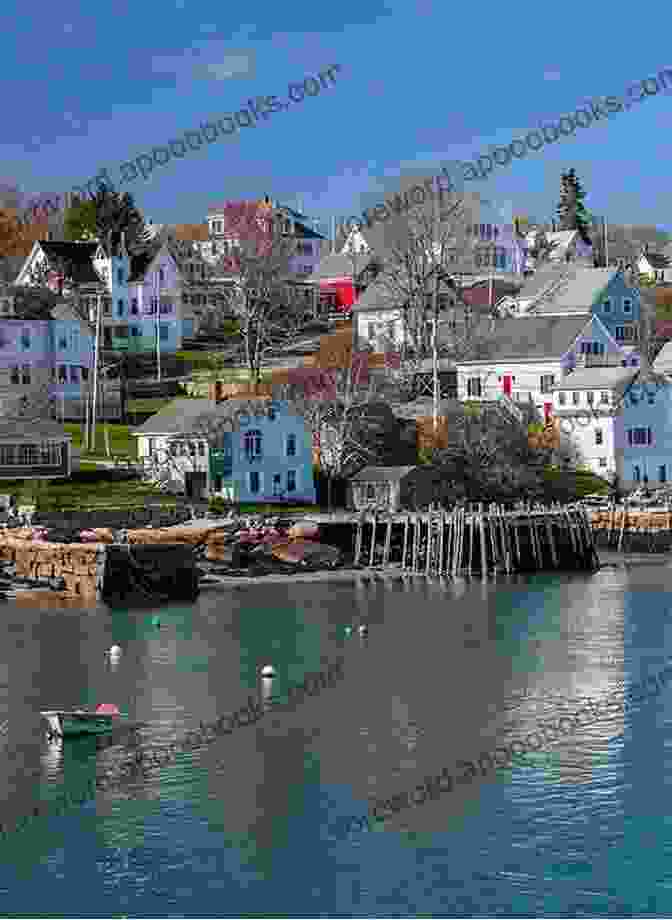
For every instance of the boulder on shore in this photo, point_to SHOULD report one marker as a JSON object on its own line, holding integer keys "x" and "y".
{"x": 306, "y": 551}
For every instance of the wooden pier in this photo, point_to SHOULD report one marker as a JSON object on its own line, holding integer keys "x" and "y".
{"x": 478, "y": 539}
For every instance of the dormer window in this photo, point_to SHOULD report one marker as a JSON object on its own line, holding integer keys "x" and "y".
{"x": 161, "y": 276}
{"x": 627, "y": 305}
{"x": 120, "y": 275}
{"x": 606, "y": 305}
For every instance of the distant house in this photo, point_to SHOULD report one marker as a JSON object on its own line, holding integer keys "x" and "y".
{"x": 568, "y": 246}
{"x": 339, "y": 279}
{"x": 240, "y": 449}
{"x": 35, "y": 449}
{"x": 391, "y": 488}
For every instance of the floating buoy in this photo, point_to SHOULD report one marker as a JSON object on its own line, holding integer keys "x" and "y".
{"x": 363, "y": 630}
{"x": 114, "y": 651}
{"x": 107, "y": 709}
{"x": 348, "y": 630}
{"x": 156, "y": 621}
{"x": 268, "y": 671}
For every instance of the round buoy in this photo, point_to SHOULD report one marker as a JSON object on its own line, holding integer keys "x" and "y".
{"x": 268, "y": 671}
{"x": 363, "y": 630}
{"x": 348, "y": 630}
{"x": 114, "y": 651}
{"x": 156, "y": 621}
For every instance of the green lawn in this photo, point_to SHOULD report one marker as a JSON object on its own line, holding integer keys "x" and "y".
{"x": 121, "y": 443}
{"x": 85, "y": 490}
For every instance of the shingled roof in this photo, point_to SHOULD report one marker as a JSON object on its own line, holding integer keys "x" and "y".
{"x": 530, "y": 338}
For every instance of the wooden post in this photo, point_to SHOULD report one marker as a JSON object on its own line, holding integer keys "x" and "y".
{"x": 388, "y": 541}
{"x": 403, "y": 552}
{"x": 459, "y": 540}
{"x": 492, "y": 519}
{"x": 373, "y": 539}
{"x": 428, "y": 560}
{"x": 416, "y": 542}
{"x": 471, "y": 543}
{"x": 623, "y": 521}
{"x": 358, "y": 541}
{"x": 551, "y": 539}
{"x": 516, "y": 537}
{"x": 484, "y": 554}
{"x": 442, "y": 538}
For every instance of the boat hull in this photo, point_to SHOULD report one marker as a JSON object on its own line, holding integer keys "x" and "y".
{"x": 66, "y": 724}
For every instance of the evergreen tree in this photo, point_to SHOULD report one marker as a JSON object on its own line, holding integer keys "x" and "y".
{"x": 114, "y": 213}
{"x": 571, "y": 210}
{"x": 80, "y": 221}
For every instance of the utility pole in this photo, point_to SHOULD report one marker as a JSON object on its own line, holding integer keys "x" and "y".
{"x": 435, "y": 346}
{"x": 158, "y": 337}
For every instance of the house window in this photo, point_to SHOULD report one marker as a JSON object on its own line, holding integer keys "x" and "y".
{"x": 636, "y": 473}
{"x": 576, "y": 399}
{"x": 604, "y": 398}
{"x": 372, "y": 331}
{"x": 122, "y": 332}
{"x": 291, "y": 445}
{"x": 62, "y": 373}
{"x": 562, "y": 398}
{"x": 252, "y": 444}
{"x": 134, "y": 306}
{"x": 662, "y": 473}
{"x": 474, "y": 386}
{"x": 201, "y": 449}
{"x": 596, "y": 348}
{"x": 606, "y": 305}
{"x": 619, "y": 333}
{"x": 603, "y": 461}
{"x": 135, "y": 331}
{"x": 107, "y": 306}
{"x": 85, "y": 373}
{"x": 74, "y": 373}
{"x": 640, "y": 436}
{"x": 627, "y": 305}
{"x": 62, "y": 343}
{"x": 120, "y": 308}
{"x": 163, "y": 332}
{"x": 165, "y": 306}
{"x": 277, "y": 484}
{"x": 120, "y": 275}
{"x": 599, "y": 438}
{"x": 547, "y": 381}
{"x": 161, "y": 275}
{"x": 291, "y": 480}
{"x": 25, "y": 374}
{"x": 14, "y": 376}
{"x": 25, "y": 339}
{"x": 255, "y": 482}
{"x": 590, "y": 397}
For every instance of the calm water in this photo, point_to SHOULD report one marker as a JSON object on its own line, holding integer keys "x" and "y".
{"x": 251, "y": 825}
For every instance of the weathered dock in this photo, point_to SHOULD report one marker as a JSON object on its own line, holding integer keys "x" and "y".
{"x": 478, "y": 539}
{"x": 628, "y": 528}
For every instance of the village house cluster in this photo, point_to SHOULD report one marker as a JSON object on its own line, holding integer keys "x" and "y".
{"x": 561, "y": 347}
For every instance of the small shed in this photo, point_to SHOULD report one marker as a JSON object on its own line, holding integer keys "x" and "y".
{"x": 391, "y": 488}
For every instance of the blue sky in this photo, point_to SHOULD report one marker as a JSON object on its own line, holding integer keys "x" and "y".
{"x": 420, "y": 82}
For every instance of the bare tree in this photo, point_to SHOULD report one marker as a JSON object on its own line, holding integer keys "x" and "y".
{"x": 269, "y": 314}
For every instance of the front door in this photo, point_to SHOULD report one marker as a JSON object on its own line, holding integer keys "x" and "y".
{"x": 195, "y": 484}
{"x": 507, "y": 385}
{"x": 548, "y": 408}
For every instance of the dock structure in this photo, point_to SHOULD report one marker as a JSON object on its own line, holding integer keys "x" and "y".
{"x": 630, "y": 528}
{"x": 478, "y": 539}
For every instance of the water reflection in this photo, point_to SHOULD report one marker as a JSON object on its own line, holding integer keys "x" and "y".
{"x": 449, "y": 669}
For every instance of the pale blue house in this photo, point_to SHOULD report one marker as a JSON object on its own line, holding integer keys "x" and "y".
{"x": 240, "y": 449}
{"x": 643, "y": 434}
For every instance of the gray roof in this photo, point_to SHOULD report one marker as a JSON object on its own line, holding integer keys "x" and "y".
{"x": 184, "y": 416}
{"x": 31, "y": 429}
{"x": 531, "y": 338}
{"x": 663, "y": 361}
{"x": 544, "y": 276}
{"x": 382, "y": 473}
{"x": 596, "y": 378}
{"x": 583, "y": 287}
{"x": 383, "y": 294}
{"x": 338, "y": 265}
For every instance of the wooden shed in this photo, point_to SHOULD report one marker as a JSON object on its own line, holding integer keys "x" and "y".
{"x": 392, "y": 488}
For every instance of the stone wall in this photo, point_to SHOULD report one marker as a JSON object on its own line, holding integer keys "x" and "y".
{"x": 80, "y": 565}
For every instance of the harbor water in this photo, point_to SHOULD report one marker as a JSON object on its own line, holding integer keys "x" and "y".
{"x": 252, "y": 822}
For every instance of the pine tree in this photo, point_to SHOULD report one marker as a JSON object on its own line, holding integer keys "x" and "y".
{"x": 571, "y": 210}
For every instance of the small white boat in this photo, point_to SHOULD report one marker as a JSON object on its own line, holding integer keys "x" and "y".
{"x": 64, "y": 724}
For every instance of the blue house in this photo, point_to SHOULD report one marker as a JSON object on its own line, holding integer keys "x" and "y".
{"x": 643, "y": 434}
{"x": 245, "y": 450}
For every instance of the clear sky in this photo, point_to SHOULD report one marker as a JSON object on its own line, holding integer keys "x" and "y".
{"x": 88, "y": 86}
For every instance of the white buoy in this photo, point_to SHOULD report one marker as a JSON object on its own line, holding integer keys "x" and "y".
{"x": 268, "y": 671}
{"x": 363, "y": 630}
{"x": 114, "y": 652}
{"x": 348, "y": 630}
